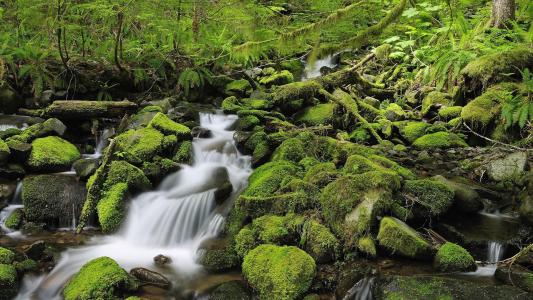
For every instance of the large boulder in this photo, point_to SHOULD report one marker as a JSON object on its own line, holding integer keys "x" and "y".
{"x": 6, "y": 256}
{"x": 466, "y": 198}
{"x": 150, "y": 277}
{"x": 399, "y": 238}
{"x": 52, "y": 153}
{"x": 111, "y": 208}
{"x": 140, "y": 145}
{"x": 165, "y": 125}
{"x": 453, "y": 258}
{"x": 430, "y": 197}
{"x": 52, "y": 199}
{"x": 46, "y": 128}
{"x": 319, "y": 242}
{"x": 509, "y": 167}
{"x": 100, "y": 278}
{"x": 320, "y": 114}
{"x": 439, "y": 140}
{"x": 279, "y": 272}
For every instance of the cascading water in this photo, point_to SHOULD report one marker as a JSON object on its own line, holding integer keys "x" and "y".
{"x": 172, "y": 220}
{"x": 101, "y": 142}
{"x": 495, "y": 252}
{"x": 362, "y": 290}
{"x": 15, "y": 203}
{"x": 312, "y": 70}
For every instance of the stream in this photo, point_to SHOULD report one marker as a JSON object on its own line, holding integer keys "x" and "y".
{"x": 172, "y": 220}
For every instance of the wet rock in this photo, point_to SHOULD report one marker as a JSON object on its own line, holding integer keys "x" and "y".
{"x": 466, "y": 199}
{"x": 201, "y": 132}
{"x": 15, "y": 219}
{"x": 516, "y": 275}
{"x": 399, "y": 238}
{"x": 218, "y": 255}
{"x": 350, "y": 273}
{"x": 52, "y": 198}
{"x": 453, "y": 258}
{"x": 235, "y": 289}
{"x": 35, "y": 250}
{"x": 149, "y": 277}
{"x": 223, "y": 192}
{"x": 86, "y": 167}
{"x": 12, "y": 171}
{"x": 7, "y": 190}
{"x": 20, "y": 151}
{"x": 46, "y": 128}
{"x": 162, "y": 260}
{"x": 426, "y": 287}
{"x": 508, "y": 167}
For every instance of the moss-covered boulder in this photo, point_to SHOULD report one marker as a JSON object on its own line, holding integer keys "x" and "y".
{"x": 100, "y": 278}
{"x": 432, "y": 198}
{"x": 241, "y": 88}
{"x": 451, "y": 112}
{"x": 290, "y": 150}
{"x": 8, "y": 282}
{"x": 318, "y": 241}
{"x": 497, "y": 67}
{"x": 51, "y": 199}
{"x": 267, "y": 179}
{"x": 517, "y": 275}
{"x": 52, "y": 153}
{"x": 435, "y": 100}
{"x": 14, "y": 220}
{"x": 399, "y": 238}
{"x": 278, "y": 78}
{"x": 235, "y": 289}
{"x": 46, "y": 128}
{"x": 140, "y": 145}
{"x": 394, "y": 112}
{"x": 453, "y": 258}
{"x": 413, "y": 130}
{"x": 439, "y": 140}
{"x": 367, "y": 246}
{"x": 111, "y": 208}
{"x": 279, "y": 272}
{"x": 123, "y": 172}
{"x": 184, "y": 154}
{"x": 6, "y": 256}
{"x": 320, "y": 114}
{"x": 466, "y": 198}
{"x": 484, "y": 110}
{"x": 218, "y": 255}
{"x": 165, "y": 125}
{"x": 4, "y": 151}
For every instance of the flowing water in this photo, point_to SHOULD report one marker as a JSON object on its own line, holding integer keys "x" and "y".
{"x": 102, "y": 140}
{"x": 14, "y": 203}
{"x": 362, "y": 290}
{"x": 312, "y": 70}
{"x": 172, "y": 220}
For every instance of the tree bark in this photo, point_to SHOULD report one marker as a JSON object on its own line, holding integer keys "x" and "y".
{"x": 503, "y": 11}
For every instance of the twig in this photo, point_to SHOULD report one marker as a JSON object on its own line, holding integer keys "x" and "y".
{"x": 493, "y": 141}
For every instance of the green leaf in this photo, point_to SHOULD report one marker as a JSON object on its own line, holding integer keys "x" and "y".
{"x": 410, "y": 12}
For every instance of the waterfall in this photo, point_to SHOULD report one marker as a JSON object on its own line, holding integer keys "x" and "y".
{"x": 102, "y": 140}
{"x": 312, "y": 70}
{"x": 362, "y": 290}
{"x": 495, "y": 252}
{"x": 172, "y": 220}
{"x": 14, "y": 203}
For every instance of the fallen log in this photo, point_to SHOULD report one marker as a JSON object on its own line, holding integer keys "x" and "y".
{"x": 81, "y": 109}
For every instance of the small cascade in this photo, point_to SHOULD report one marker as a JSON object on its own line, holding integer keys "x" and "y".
{"x": 495, "y": 252}
{"x": 17, "y": 197}
{"x": 102, "y": 140}
{"x": 172, "y": 220}
{"x": 313, "y": 70}
{"x": 362, "y": 290}
{"x": 14, "y": 203}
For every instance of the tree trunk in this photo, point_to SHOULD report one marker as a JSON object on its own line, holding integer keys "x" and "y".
{"x": 503, "y": 11}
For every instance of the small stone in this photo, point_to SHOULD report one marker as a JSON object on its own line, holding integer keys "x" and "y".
{"x": 150, "y": 277}
{"x": 162, "y": 260}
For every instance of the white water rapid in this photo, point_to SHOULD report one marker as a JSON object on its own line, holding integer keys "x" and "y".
{"x": 172, "y": 220}
{"x": 362, "y": 290}
{"x": 312, "y": 70}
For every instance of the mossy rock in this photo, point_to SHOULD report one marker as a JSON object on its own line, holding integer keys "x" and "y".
{"x": 433, "y": 198}
{"x": 100, "y": 278}
{"x": 6, "y": 256}
{"x": 279, "y": 272}
{"x": 218, "y": 255}
{"x": 290, "y": 150}
{"x": 466, "y": 198}
{"x": 516, "y": 275}
{"x": 360, "y": 135}
{"x": 159, "y": 168}
{"x": 291, "y": 97}
{"x": 52, "y": 154}
{"x": 235, "y": 289}
{"x": 399, "y": 238}
{"x": 240, "y": 88}
{"x": 357, "y": 164}
{"x": 27, "y": 265}
{"x": 143, "y": 117}
{"x": 413, "y": 130}
{"x": 453, "y": 258}
{"x": 248, "y": 123}
{"x": 318, "y": 241}
{"x": 320, "y": 114}
{"x": 367, "y": 246}
{"x": 111, "y": 208}
{"x": 439, "y": 140}
{"x": 394, "y": 112}
{"x": 497, "y": 67}
{"x": 231, "y": 105}
{"x": 14, "y": 220}
{"x": 184, "y": 155}
{"x": 278, "y": 78}
{"x": 435, "y": 99}
{"x": 451, "y": 112}
{"x": 49, "y": 127}
{"x": 123, "y": 172}
{"x": 245, "y": 241}
{"x": 267, "y": 179}
{"x": 4, "y": 151}
{"x": 165, "y": 125}
{"x": 137, "y": 146}
{"x": 8, "y": 282}
{"x": 321, "y": 174}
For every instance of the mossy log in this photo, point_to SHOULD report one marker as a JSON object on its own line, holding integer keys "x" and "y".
{"x": 81, "y": 109}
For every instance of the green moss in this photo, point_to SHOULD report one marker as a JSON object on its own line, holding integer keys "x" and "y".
{"x": 27, "y": 265}
{"x": 417, "y": 289}
{"x": 139, "y": 145}
{"x": 398, "y": 237}
{"x": 256, "y": 104}
{"x": 317, "y": 172}
{"x": 14, "y": 220}
{"x": 219, "y": 257}
{"x": 278, "y": 78}
{"x": 453, "y": 258}
{"x": 296, "y": 90}
{"x": 392, "y": 165}
{"x": 320, "y": 114}
{"x": 122, "y": 172}
{"x": 394, "y": 112}
{"x": 360, "y": 135}
{"x": 52, "y": 153}
{"x": 165, "y": 125}
{"x": 49, "y": 127}
{"x": 247, "y": 123}
{"x": 279, "y": 272}
{"x": 290, "y": 150}
{"x": 413, "y": 130}
{"x": 239, "y": 88}
{"x": 496, "y": 67}
{"x": 261, "y": 152}
{"x": 433, "y": 99}
{"x": 448, "y": 113}
{"x": 318, "y": 241}
{"x": 6, "y": 256}
{"x": 277, "y": 230}
{"x": 100, "y": 278}
{"x": 4, "y": 151}
{"x": 245, "y": 241}
{"x": 111, "y": 208}
{"x": 184, "y": 153}
{"x": 439, "y": 140}
{"x": 432, "y": 197}
{"x": 485, "y": 109}
{"x": 367, "y": 246}
{"x": 266, "y": 180}
{"x": 230, "y": 290}
{"x": 8, "y": 282}
{"x": 231, "y": 105}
